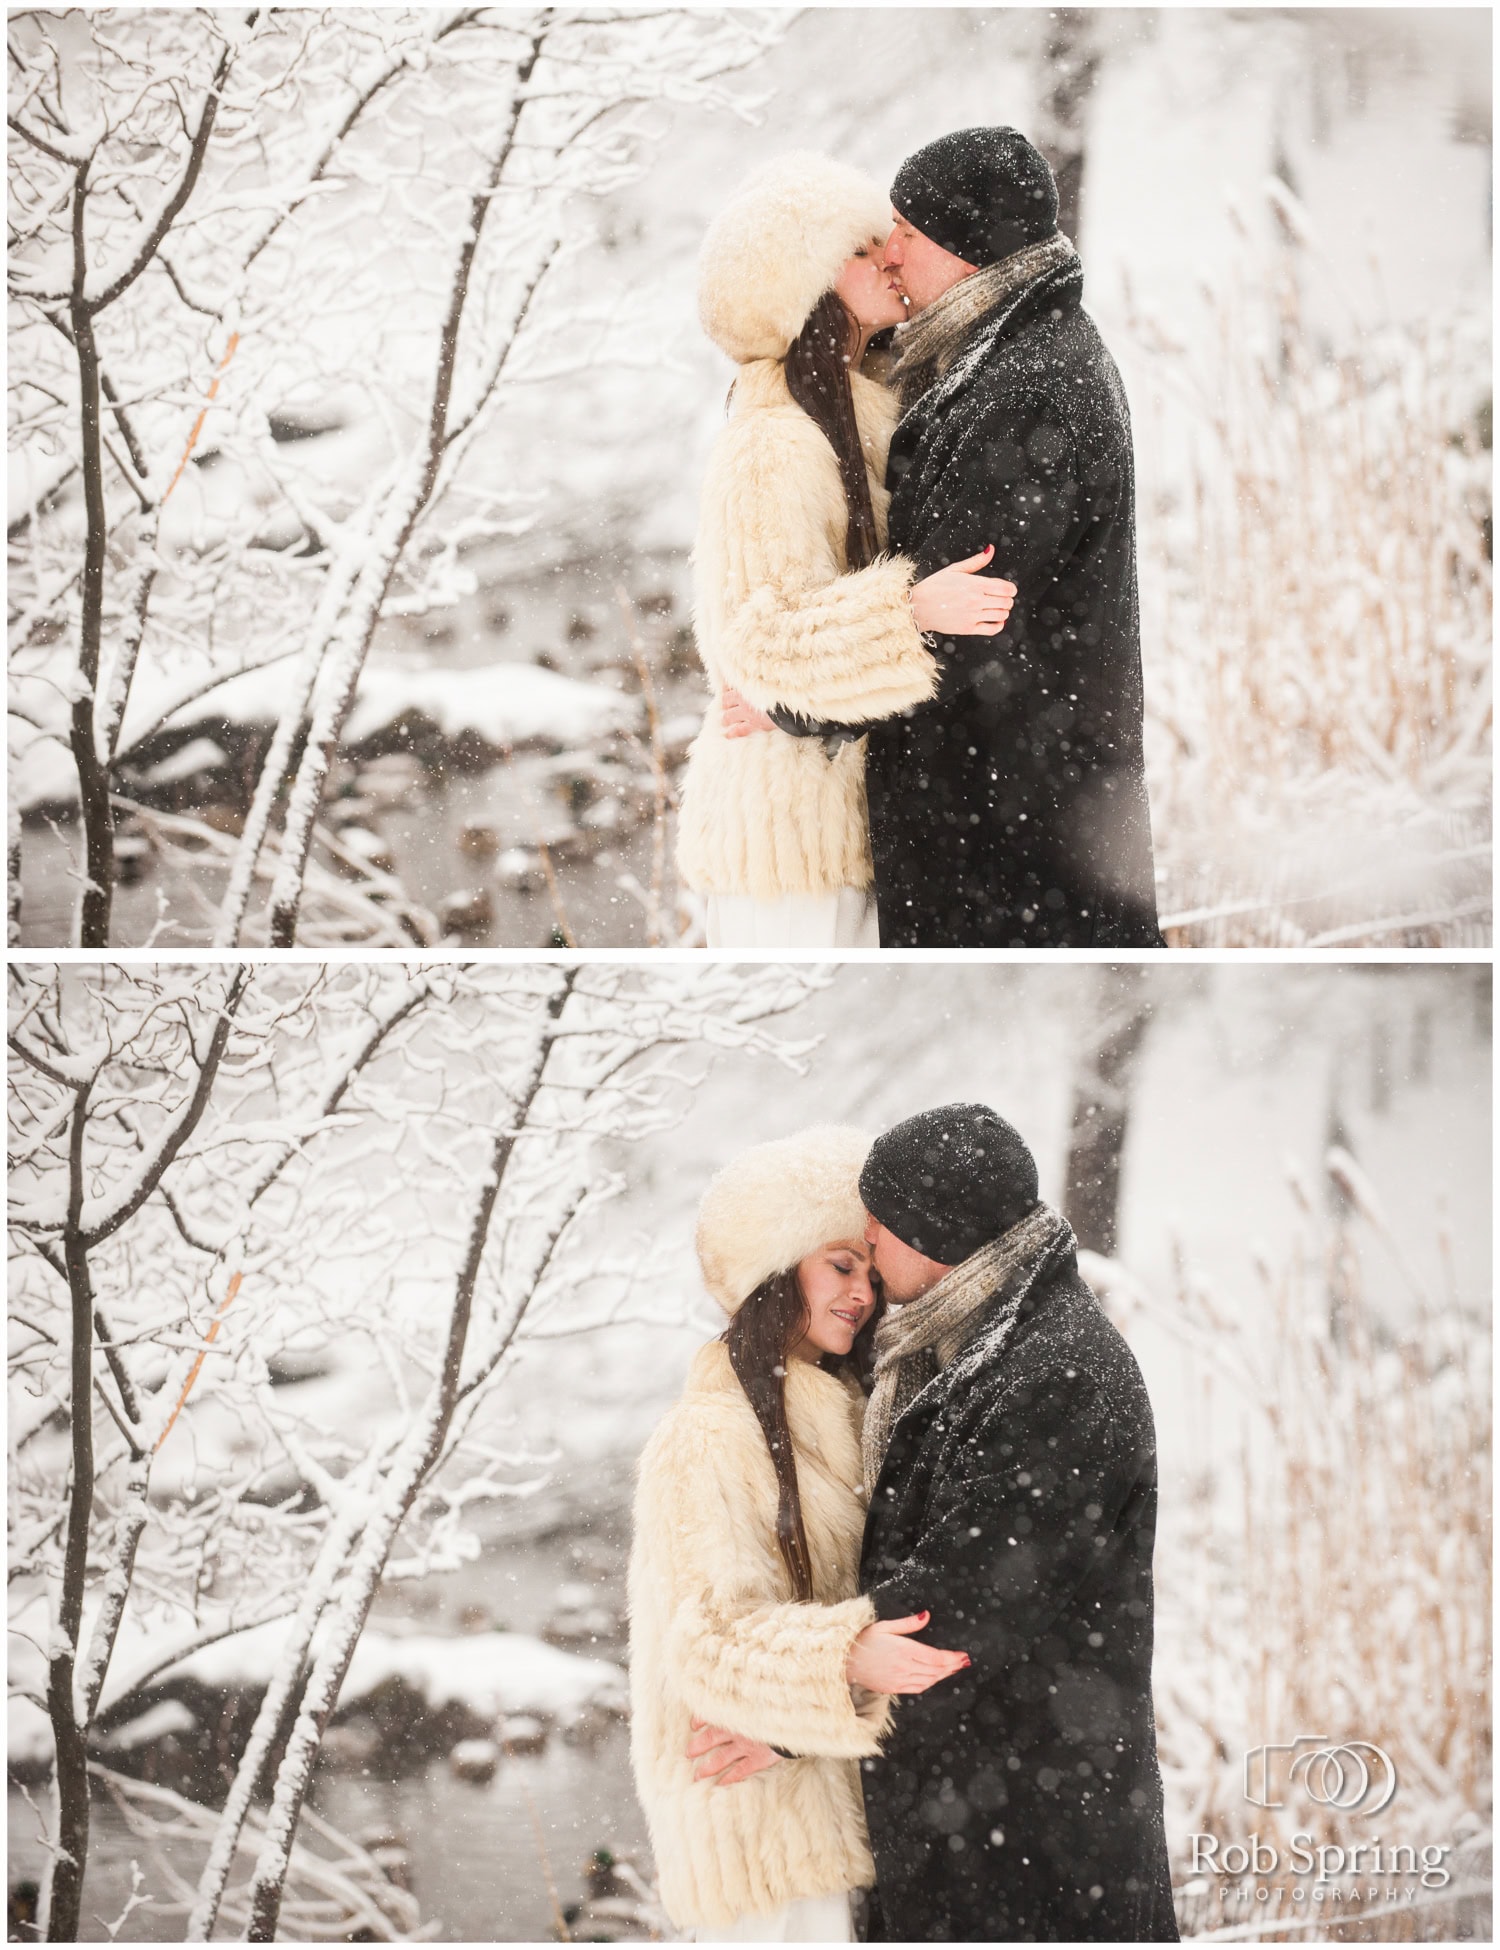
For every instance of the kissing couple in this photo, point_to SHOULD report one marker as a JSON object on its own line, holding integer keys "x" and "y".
{"x": 890, "y": 1579}
{"x": 915, "y": 600}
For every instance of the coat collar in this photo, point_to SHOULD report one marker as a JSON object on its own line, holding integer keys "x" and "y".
{"x": 1059, "y": 290}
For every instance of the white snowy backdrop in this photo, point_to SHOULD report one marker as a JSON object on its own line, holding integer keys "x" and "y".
{"x": 1286, "y": 229}
{"x": 359, "y": 1552}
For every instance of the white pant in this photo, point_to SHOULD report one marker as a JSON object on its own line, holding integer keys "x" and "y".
{"x": 811, "y": 1919}
{"x": 846, "y": 919}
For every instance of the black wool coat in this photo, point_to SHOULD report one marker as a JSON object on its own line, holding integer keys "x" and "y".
{"x": 1011, "y": 810}
{"x": 1021, "y": 1801}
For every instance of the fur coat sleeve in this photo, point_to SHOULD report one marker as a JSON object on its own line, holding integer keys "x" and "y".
{"x": 744, "y": 1656}
{"x": 797, "y": 631}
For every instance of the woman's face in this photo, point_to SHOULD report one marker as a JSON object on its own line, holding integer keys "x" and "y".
{"x": 869, "y": 290}
{"x": 837, "y": 1286}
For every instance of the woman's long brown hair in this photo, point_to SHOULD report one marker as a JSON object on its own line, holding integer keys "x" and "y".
{"x": 817, "y": 377}
{"x": 760, "y": 1340}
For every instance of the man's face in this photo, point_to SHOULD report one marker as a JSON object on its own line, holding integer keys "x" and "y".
{"x": 923, "y": 269}
{"x": 905, "y": 1273}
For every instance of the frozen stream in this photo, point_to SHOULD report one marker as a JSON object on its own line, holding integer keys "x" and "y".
{"x": 566, "y": 620}
{"x": 474, "y": 1854}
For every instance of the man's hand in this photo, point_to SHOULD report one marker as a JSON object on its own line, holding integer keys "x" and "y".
{"x": 959, "y": 601}
{"x": 739, "y": 718}
{"x": 727, "y": 1757}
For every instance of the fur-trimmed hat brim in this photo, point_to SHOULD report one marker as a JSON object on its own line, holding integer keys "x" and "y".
{"x": 779, "y": 244}
{"x": 775, "y": 1204}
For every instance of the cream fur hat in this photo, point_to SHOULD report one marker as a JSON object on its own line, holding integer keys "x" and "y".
{"x": 778, "y": 246}
{"x": 775, "y": 1204}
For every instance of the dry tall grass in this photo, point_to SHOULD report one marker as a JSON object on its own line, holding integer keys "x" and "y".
{"x": 1329, "y": 1574}
{"x": 1318, "y": 621}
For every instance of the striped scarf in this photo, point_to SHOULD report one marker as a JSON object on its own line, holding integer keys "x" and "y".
{"x": 915, "y": 1342}
{"x": 927, "y": 345}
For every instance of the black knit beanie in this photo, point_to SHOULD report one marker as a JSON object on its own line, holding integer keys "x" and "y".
{"x": 981, "y": 193}
{"x": 950, "y": 1181}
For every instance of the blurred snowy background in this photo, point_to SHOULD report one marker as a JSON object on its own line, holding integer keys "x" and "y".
{"x": 420, "y": 457}
{"x": 439, "y": 1221}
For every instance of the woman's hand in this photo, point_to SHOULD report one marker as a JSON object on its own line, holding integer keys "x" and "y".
{"x": 958, "y": 601}
{"x": 725, "y": 1755}
{"x": 740, "y": 718}
{"x": 885, "y": 1658}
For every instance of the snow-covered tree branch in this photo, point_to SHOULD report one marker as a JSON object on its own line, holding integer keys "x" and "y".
{"x": 228, "y": 230}
{"x": 216, "y": 1175}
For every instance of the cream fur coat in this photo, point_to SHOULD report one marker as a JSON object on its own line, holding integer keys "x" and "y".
{"x": 715, "y": 1634}
{"x": 778, "y": 617}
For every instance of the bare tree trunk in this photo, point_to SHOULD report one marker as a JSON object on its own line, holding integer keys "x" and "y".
{"x": 269, "y": 1716}
{"x": 94, "y": 810}
{"x": 408, "y": 499}
{"x": 13, "y": 867}
{"x": 116, "y": 1584}
{"x": 64, "y": 1898}
{"x": 423, "y": 1450}
{"x": 289, "y": 728}
{"x": 91, "y": 753}
{"x": 332, "y": 1558}
{"x": 1070, "y": 63}
{"x": 1101, "y": 1106}
{"x": 70, "y": 1715}
{"x": 110, "y": 713}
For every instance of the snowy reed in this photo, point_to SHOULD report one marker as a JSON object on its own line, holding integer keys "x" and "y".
{"x": 1318, "y": 619}
{"x": 663, "y": 799}
{"x": 1334, "y": 1578}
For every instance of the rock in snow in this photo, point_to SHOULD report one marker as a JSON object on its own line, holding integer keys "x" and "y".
{"x": 168, "y": 1716}
{"x": 523, "y": 1733}
{"x": 505, "y": 704}
{"x": 475, "y": 1760}
{"x": 197, "y": 755}
{"x": 493, "y": 1673}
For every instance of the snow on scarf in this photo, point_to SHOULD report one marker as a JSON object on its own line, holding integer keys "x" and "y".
{"x": 914, "y": 1342}
{"x": 927, "y": 345}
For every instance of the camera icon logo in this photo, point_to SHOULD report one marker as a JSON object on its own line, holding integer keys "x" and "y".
{"x": 1355, "y": 1776}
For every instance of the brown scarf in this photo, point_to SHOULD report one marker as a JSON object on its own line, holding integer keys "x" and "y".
{"x": 927, "y": 345}
{"x": 915, "y": 1342}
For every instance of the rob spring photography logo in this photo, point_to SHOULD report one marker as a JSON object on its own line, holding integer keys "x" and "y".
{"x": 1355, "y": 1776}
{"x": 1350, "y": 1777}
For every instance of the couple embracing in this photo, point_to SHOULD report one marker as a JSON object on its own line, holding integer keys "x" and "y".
{"x": 890, "y": 1584}
{"x": 915, "y": 572}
